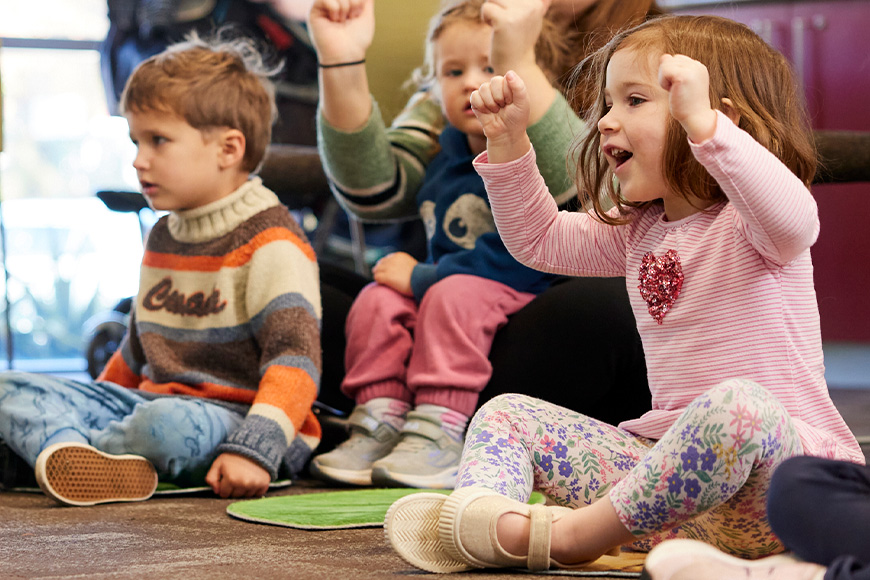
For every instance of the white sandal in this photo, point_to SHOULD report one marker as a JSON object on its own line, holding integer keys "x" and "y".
{"x": 456, "y": 533}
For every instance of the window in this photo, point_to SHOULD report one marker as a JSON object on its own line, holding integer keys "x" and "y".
{"x": 68, "y": 259}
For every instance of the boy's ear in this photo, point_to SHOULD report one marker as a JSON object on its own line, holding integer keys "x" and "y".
{"x": 730, "y": 110}
{"x": 232, "y": 148}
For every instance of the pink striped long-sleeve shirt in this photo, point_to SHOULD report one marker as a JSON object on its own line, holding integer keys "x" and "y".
{"x": 746, "y": 308}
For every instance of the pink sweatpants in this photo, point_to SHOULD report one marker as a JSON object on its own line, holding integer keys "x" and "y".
{"x": 435, "y": 353}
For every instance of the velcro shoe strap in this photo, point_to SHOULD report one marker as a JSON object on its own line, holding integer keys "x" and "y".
{"x": 421, "y": 426}
{"x": 539, "y": 538}
{"x": 361, "y": 419}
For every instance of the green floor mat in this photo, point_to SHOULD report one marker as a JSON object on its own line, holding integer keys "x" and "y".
{"x": 164, "y": 488}
{"x": 329, "y": 510}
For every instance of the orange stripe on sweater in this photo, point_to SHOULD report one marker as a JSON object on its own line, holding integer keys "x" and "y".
{"x": 204, "y": 390}
{"x": 234, "y": 259}
{"x": 290, "y": 389}
{"x": 116, "y": 371}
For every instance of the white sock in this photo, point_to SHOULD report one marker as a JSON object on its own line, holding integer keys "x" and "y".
{"x": 388, "y": 410}
{"x": 452, "y": 422}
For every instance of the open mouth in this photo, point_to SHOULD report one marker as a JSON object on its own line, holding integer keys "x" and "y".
{"x": 619, "y": 155}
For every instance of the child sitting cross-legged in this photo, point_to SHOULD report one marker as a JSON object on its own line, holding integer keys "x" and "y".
{"x": 215, "y": 379}
{"x": 705, "y": 151}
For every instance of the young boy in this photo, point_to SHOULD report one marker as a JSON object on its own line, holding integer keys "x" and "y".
{"x": 221, "y": 364}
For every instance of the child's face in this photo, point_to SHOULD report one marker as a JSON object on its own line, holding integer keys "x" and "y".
{"x": 461, "y": 66}
{"x": 633, "y": 131}
{"x": 179, "y": 167}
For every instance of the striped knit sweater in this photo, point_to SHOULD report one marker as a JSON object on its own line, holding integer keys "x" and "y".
{"x": 747, "y": 307}
{"x": 229, "y": 309}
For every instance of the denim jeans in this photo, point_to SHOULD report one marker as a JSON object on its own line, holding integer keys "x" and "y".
{"x": 179, "y": 435}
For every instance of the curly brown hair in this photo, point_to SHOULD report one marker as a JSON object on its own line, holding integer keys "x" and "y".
{"x": 743, "y": 68}
{"x": 210, "y": 84}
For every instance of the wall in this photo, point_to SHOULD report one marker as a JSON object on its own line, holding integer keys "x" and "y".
{"x": 400, "y": 32}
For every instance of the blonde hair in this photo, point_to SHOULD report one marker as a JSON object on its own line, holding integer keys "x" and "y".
{"x": 210, "y": 84}
{"x": 742, "y": 67}
{"x": 550, "y": 51}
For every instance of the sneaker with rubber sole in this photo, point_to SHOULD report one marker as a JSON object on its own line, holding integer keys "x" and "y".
{"x": 425, "y": 457}
{"x": 351, "y": 461}
{"x": 79, "y": 475}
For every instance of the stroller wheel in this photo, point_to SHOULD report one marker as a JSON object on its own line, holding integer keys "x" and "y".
{"x": 104, "y": 342}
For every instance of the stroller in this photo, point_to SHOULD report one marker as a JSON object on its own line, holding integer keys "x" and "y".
{"x": 105, "y": 331}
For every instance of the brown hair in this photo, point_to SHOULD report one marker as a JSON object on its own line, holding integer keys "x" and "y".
{"x": 742, "y": 67}
{"x": 209, "y": 84}
{"x": 551, "y": 50}
{"x": 589, "y": 30}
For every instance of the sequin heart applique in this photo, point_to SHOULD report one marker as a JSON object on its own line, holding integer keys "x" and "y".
{"x": 660, "y": 282}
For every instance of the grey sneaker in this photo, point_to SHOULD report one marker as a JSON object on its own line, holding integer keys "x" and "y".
{"x": 351, "y": 462}
{"x": 425, "y": 457}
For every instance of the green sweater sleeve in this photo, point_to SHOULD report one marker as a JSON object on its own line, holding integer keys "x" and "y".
{"x": 377, "y": 171}
{"x": 552, "y": 137}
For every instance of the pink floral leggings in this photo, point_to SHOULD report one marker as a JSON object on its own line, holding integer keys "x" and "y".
{"x": 706, "y": 478}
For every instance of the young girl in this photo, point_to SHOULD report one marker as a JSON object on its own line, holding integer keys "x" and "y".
{"x": 698, "y": 120}
{"x": 419, "y": 337}
{"x": 367, "y": 159}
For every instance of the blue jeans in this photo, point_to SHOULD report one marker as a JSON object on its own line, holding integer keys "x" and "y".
{"x": 178, "y": 435}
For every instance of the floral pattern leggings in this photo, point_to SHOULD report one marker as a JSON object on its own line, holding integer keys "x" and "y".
{"x": 705, "y": 479}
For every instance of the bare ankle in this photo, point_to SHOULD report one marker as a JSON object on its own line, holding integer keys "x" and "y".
{"x": 512, "y": 532}
{"x": 588, "y": 533}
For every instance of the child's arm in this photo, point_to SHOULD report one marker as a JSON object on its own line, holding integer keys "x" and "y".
{"x": 516, "y": 27}
{"x": 502, "y": 106}
{"x": 376, "y": 171}
{"x": 778, "y": 214}
{"x": 342, "y": 31}
{"x": 281, "y": 303}
{"x": 528, "y": 221}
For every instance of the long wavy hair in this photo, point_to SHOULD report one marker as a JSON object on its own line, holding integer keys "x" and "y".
{"x": 756, "y": 78}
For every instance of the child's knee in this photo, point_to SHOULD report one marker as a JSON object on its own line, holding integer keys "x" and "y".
{"x": 504, "y": 404}
{"x": 158, "y": 425}
{"x": 12, "y": 380}
{"x": 741, "y": 392}
{"x": 377, "y": 301}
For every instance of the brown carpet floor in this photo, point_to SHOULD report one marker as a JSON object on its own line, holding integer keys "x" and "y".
{"x": 192, "y": 537}
{"x": 185, "y": 538}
